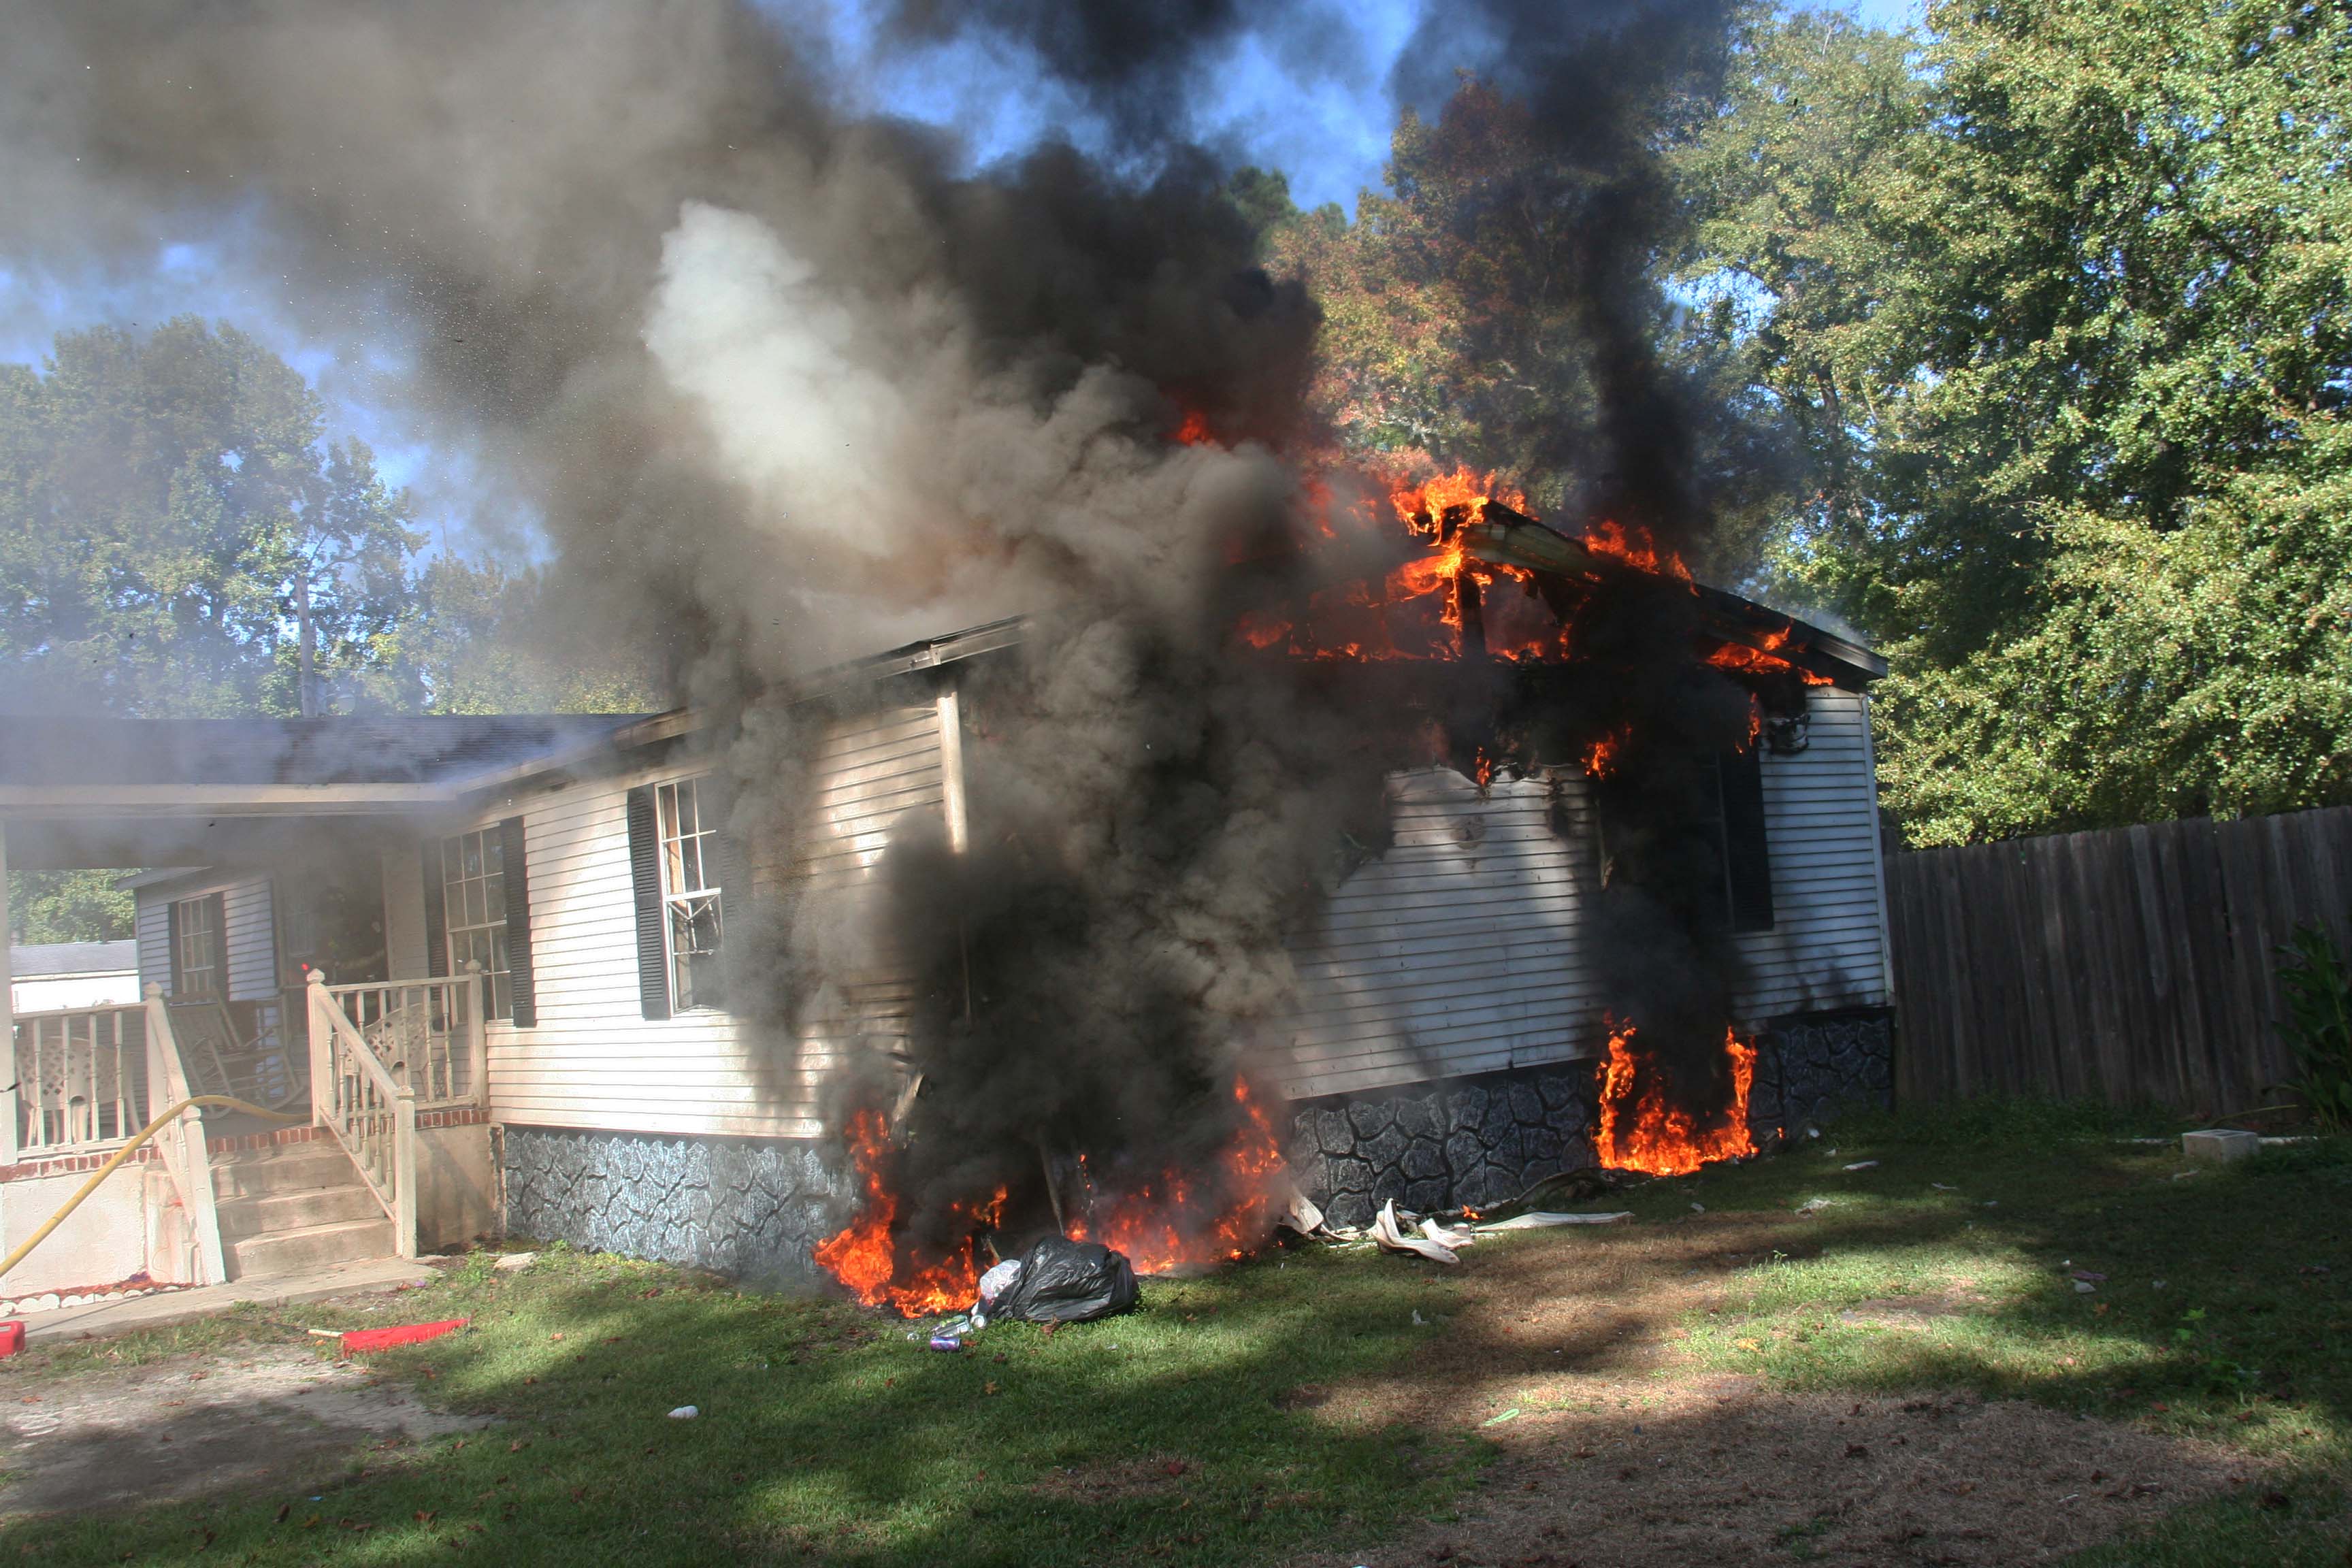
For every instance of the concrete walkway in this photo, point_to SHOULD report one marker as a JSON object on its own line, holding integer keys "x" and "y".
{"x": 98, "y": 1319}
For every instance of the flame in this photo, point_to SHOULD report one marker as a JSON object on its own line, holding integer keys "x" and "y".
{"x": 1168, "y": 1222}
{"x": 1743, "y": 660}
{"x": 1194, "y": 431}
{"x": 1635, "y": 548}
{"x": 1484, "y": 768}
{"x": 865, "y": 1255}
{"x": 1640, "y": 1131}
{"x": 1601, "y": 756}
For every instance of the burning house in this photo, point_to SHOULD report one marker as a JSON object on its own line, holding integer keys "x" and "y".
{"x": 1276, "y": 819}
{"x": 556, "y": 977}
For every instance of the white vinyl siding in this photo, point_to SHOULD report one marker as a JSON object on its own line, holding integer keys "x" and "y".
{"x": 1458, "y": 952}
{"x": 1827, "y": 947}
{"x": 594, "y": 1060}
{"x": 153, "y": 926}
{"x": 1454, "y": 952}
{"x": 249, "y": 933}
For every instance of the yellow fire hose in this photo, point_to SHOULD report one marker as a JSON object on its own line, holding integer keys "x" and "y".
{"x": 125, "y": 1152}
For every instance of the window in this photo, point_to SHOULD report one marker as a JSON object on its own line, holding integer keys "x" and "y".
{"x": 474, "y": 909}
{"x": 1747, "y": 849}
{"x": 690, "y": 894}
{"x": 197, "y": 968}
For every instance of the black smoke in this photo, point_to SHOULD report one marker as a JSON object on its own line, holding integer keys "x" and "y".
{"x": 786, "y": 385}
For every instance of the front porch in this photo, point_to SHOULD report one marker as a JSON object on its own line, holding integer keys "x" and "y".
{"x": 283, "y": 965}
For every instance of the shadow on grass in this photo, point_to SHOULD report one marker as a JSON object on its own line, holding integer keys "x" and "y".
{"x": 825, "y": 1431}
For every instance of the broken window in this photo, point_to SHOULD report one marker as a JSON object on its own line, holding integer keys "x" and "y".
{"x": 1746, "y": 853}
{"x": 690, "y": 894}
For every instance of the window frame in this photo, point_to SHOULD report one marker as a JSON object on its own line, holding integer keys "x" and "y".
{"x": 213, "y": 926}
{"x": 696, "y": 982}
{"x": 492, "y": 929}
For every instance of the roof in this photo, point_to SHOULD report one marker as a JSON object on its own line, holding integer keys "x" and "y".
{"x": 73, "y": 958}
{"x": 51, "y": 767}
{"x": 429, "y": 749}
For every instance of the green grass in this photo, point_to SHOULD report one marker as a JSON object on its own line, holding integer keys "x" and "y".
{"x": 2224, "y": 1314}
{"x": 826, "y": 1432}
{"x": 824, "y": 1428}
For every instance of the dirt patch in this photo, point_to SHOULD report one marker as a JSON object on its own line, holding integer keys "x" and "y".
{"x": 1619, "y": 1452}
{"x": 1157, "y": 1476}
{"x": 201, "y": 1424}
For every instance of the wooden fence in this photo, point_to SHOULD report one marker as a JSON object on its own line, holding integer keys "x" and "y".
{"x": 2132, "y": 964}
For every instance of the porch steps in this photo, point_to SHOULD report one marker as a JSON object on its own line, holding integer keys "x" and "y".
{"x": 301, "y": 1206}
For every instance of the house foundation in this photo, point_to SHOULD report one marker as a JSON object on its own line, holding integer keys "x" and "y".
{"x": 1484, "y": 1140}
{"x": 751, "y": 1208}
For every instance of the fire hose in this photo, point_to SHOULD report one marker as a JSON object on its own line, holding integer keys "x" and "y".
{"x": 73, "y": 1202}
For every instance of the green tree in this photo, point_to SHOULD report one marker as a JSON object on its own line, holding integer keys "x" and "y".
{"x": 485, "y": 640}
{"x": 2056, "y": 295}
{"x": 172, "y": 523}
{"x": 68, "y": 906}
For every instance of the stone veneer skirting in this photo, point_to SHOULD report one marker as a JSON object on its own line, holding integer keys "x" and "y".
{"x": 753, "y": 1208}
{"x": 748, "y": 1207}
{"x": 1486, "y": 1140}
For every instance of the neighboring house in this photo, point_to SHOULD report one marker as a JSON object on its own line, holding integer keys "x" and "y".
{"x": 521, "y": 921}
{"x": 50, "y": 975}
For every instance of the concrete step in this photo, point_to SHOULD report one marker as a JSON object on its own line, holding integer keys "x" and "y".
{"x": 292, "y": 1167}
{"x": 297, "y": 1210}
{"x": 310, "y": 1247}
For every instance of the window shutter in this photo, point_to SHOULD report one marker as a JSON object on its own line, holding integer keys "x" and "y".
{"x": 437, "y": 916}
{"x": 1747, "y": 857}
{"x": 518, "y": 884}
{"x": 172, "y": 942}
{"x": 645, "y": 874}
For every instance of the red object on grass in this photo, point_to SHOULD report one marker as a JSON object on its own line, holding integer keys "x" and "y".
{"x": 406, "y": 1334}
{"x": 12, "y": 1338}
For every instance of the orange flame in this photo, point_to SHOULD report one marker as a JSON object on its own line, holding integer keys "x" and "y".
{"x": 1601, "y": 756}
{"x": 1635, "y": 548}
{"x": 1765, "y": 660}
{"x": 1194, "y": 431}
{"x": 865, "y": 1255}
{"x": 1166, "y": 1223}
{"x": 1641, "y": 1132}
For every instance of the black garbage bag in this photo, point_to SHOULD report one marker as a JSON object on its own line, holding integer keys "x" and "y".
{"x": 1065, "y": 1281}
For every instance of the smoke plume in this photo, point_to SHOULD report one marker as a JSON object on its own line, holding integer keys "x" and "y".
{"x": 787, "y": 386}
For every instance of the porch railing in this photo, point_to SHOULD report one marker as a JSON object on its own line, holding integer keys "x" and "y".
{"x": 81, "y": 1079}
{"x": 370, "y": 1108}
{"x": 183, "y": 1143}
{"x": 86, "y": 1081}
{"x": 427, "y": 1034}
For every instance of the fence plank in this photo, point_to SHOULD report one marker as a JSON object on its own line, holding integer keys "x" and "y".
{"x": 2136, "y": 964}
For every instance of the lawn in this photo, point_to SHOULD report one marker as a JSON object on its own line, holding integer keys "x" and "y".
{"x": 1316, "y": 1400}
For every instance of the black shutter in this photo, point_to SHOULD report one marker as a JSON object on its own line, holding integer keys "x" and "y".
{"x": 511, "y": 861}
{"x": 1747, "y": 857}
{"x": 644, "y": 873}
{"x": 437, "y": 915}
{"x": 172, "y": 945}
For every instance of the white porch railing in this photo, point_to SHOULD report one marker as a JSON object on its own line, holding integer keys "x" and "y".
{"x": 371, "y": 1110}
{"x": 426, "y": 1033}
{"x": 86, "y": 1081}
{"x": 81, "y": 1075}
{"x": 183, "y": 1143}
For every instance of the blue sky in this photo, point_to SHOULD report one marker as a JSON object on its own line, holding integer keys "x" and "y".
{"x": 1326, "y": 126}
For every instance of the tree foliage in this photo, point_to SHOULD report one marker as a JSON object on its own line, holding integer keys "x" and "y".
{"x": 2055, "y": 299}
{"x": 163, "y": 500}
{"x": 68, "y": 906}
